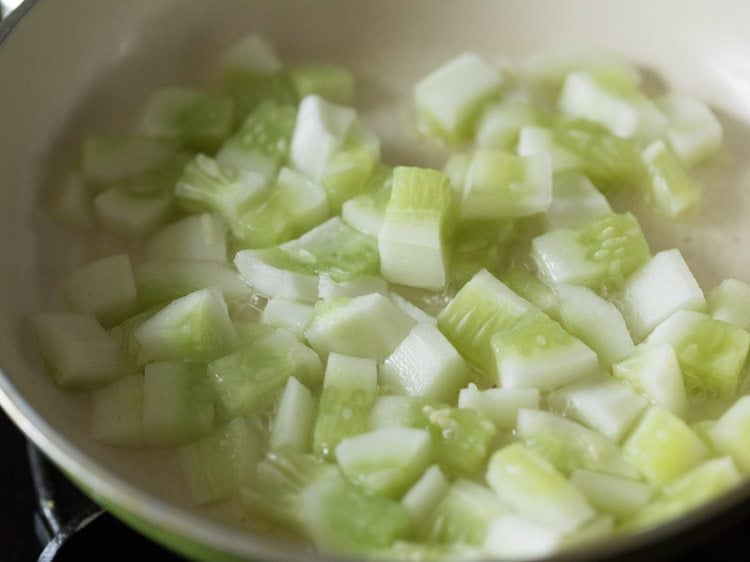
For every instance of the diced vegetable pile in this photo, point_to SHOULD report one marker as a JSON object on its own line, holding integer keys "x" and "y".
{"x": 484, "y": 359}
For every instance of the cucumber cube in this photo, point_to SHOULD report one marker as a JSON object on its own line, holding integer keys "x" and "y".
{"x": 536, "y": 352}
{"x": 500, "y": 123}
{"x": 366, "y": 211}
{"x": 411, "y": 239}
{"x": 515, "y": 537}
{"x": 602, "y": 403}
{"x": 662, "y": 446}
{"x": 196, "y": 119}
{"x": 521, "y": 281}
{"x": 266, "y": 272}
{"x": 730, "y": 302}
{"x": 319, "y": 133}
{"x": 449, "y": 99}
{"x": 653, "y": 370}
{"x": 216, "y": 466}
{"x": 293, "y": 421}
{"x": 534, "y": 488}
{"x": 535, "y": 140}
{"x": 347, "y": 174}
{"x": 195, "y": 327}
{"x": 177, "y": 403}
{"x": 248, "y": 379}
{"x": 615, "y": 104}
{"x": 425, "y": 364}
{"x": 671, "y": 191}
{"x": 131, "y": 215}
{"x": 693, "y": 131}
{"x": 369, "y": 326}
{"x": 711, "y": 353}
{"x": 612, "y": 494}
{"x": 731, "y": 433}
{"x": 500, "y": 185}
{"x": 598, "y": 253}
{"x": 574, "y": 200}
{"x": 117, "y": 412}
{"x": 349, "y": 391}
{"x": 422, "y": 498}
{"x": 290, "y": 315}
{"x": 77, "y": 351}
{"x": 501, "y": 405}
{"x": 329, "y": 289}
{"x": 195, "y": 237}
{"x": 570, "y": 446}
{"x": 104, "y": 288}
{"x": 481, "y": 308}
{"x": 596, "y": 322}
{"x": 386, "y": 461}
{"x": 662, "y": 286}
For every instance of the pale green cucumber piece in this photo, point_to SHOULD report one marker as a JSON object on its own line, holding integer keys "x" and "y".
{"x": 598, "y": 253}
{"x": 330, "y": 81}
{"x": 104, "y": 288}
{"x": 424, "y": 495}
{"x": 365, "y": 212}
{"x": 216, "y": 466}
{"x": 418, "y": 314}
{"x": 612, "y": 494}
{"x": 117, "y": 412}
{"x": 249, "y": 89}
{"x": 293, "y": 421}
{"x": 570, "y": 446}
{"x": 349, "y": 391}
{"x": 693, "y": 131}
{"x": 534, "y": 140}
{"x": 425, "y": 364}
{"x": 462, "y": 516}
{"x": 386, "y": 461}
{"x": 500, "y": 123}
{"x": 730, "y": 434}
{"x": 248, "y": 379}
{"x": 132, "y": 215}
{"x": 481, "y": 245}
{"x": 195, "y": 237}
{"x": 412, "y": 238}
{"x": 130, "y": 348}
{"x": 530, "y": 287}
{"x": 347, "y": 174}
{"x": 177, "y": 403}
{"x": 730, "y": 302}
{"x": 652, "y": 293}
{"x": 251, "y": 53}
{"x": 461, "y": 437}
{"x": 106, "y": 160}
{"x": 547, "y": 70}
{"x": 291, "y": 207}
{"x": 198, "y": 120}
{"x": 501, "y": 405}
{"x": 290, "y": 315}
{"x": 340, "y": 518}
{"x": 76, "y": 349}
{"x": 501, "y": 185}
{"x": 329, "y": 289}
{"x": 207, "y": 185}
{"x": 195, "y": 327}
{"x": 516, "y": 537}
{"x": 319, "y": 133}
{"x": 163, "y": 280}
{"x": 455, "y": 169}
{"x": 448, "y": 100}
{"x": 670, "y": 190}
{"x": 711, "y": 353}
{"x": 481, "y": 308}
{"x": 534, "y": 488}
{"x": 266, "y": 272}
{"x": 689, "y": 491}
{"x": 574, "y": 200}
{"x": 653, "y": 370}
{"x": 536, "y": 352}
{"x": 662, "y": 446}
{"x": 595, "y": 321}
{"x": 613, "y": 103}
{"x": 72, "y": 203}
{"x": 261, "y": 144}
{"x": 369, "y": 326}
{"x": 600, "y": 402}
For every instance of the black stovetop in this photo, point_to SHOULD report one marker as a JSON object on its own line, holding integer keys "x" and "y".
{"x": 104, "y": 538}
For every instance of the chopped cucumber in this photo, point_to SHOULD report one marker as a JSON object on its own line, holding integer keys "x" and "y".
{"x": 329, "y": 289}
{"x": 422, "y": 498}
{"x": 730, "y": 302}
{"x": 500, "y": 123}
{"x": 574, "y": 200}
{"x": 515, "y": 537}
{"x": 292, "y": 423}
{"x": 613, "y": 494}
{"x": 731, "y": 433}
{"x": 290, "y": 315}
{"x": 195, "y": 237}
{"x": 347, "y": 174}
{"x": 693, "y": 131}
{"x": 501, "y": 405}
{"x": 671, "y": 191}
{"x": 117, "y": 412}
